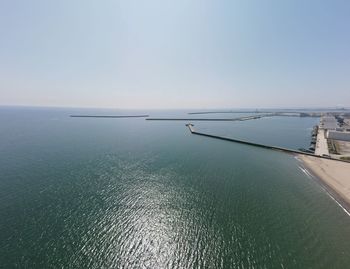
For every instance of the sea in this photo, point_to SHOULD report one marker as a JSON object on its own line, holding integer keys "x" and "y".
{"x": 133, "y": 193}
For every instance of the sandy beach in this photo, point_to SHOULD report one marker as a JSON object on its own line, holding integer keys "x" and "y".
{"x": 335, "y": 175}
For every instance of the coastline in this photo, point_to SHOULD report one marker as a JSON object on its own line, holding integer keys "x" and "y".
{"x": 334, "y": 176}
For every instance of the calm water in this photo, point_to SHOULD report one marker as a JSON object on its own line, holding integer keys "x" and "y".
{"x": 130, "y": 193}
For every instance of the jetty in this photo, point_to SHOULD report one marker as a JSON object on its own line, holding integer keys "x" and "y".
{"x": 109, "y": 116}
{"x": 212, "y": 119}
{"x": 272, "y": 113}
{"x": 190, "y": 126}
{"x": 286, "y": 150}
{"x": 227, "y": 112}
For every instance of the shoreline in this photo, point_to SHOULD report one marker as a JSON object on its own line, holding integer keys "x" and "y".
{"x": 334, "y": 177}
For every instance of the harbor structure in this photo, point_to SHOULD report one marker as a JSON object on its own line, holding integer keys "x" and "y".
{"x": 287, "y": 150}
{"x": 333, "y": 139}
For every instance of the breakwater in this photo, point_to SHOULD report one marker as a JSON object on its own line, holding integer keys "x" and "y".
{"x": 211, "y": 119}
{"x": 272, "y": 113}
{"x": 286, "y": 150}
{"x": 226, "y": 112}
{"x": 109, "y": 116}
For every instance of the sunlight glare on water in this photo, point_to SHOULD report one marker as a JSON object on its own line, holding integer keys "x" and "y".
{"x": 130, "y": 193}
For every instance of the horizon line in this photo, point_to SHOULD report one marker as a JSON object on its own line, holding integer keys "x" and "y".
{"x": 177, "y": 108}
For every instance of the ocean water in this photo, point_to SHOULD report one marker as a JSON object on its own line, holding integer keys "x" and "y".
{"x": 130, "y": 193}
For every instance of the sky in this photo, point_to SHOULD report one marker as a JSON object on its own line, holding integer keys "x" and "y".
{"x": 175, "y": 54}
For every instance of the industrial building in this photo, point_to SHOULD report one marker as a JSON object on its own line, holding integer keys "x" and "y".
{"x": 329, "y": 123}
{"x": 338, "y": 135}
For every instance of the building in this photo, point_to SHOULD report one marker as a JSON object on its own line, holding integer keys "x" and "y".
{"x": 337, "y": 135}
{"x": 329, "y": 123}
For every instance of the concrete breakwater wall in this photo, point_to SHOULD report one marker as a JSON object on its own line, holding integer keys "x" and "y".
{"x": 109, "y": 116}
{"x": 286, "y": 150}
{"x": 211, "y": 119}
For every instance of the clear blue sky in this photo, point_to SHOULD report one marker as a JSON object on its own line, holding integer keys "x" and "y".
{"x": 175, "y": 54}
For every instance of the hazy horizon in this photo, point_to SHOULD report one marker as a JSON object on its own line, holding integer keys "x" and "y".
{"x": 175, "y": 55}
{"x": 184, "y": 108}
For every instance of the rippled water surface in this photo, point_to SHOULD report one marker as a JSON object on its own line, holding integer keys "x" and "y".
{"x": 130, "y": 193}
